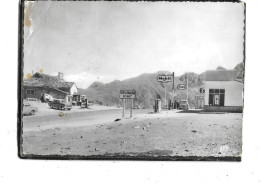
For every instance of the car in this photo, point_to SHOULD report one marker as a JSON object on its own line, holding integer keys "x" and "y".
{"x": 137, "y": 107}
{"x": 28, "y": 109}
{"x": 184, "y": 105}
{"x": 47, "y": 97}
{"x": 60, "y": 104}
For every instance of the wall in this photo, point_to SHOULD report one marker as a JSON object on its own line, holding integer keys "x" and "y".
{"x": 235, "y": 109}
{"x": 73, "y": 89}
{"x": 39, "y": 90}
{"x": 233, "y": 92}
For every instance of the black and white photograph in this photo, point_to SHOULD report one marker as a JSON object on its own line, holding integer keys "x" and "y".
{"x": 125, "y": 80}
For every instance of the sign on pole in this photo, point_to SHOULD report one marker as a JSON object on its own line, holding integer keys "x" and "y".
{"x": 127, "y": 94}
{"x": 181, "y": 87}
{"x": 164, "y": 78}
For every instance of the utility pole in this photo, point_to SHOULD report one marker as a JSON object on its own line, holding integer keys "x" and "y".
{"x": 165, "y": 96}
{"x": 173, "y": 90}
{"x": 123, "y": 114}
{"x": 187, "y": 86}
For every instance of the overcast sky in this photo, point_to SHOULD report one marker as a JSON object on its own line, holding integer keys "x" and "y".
{"x": 104, "y": 41}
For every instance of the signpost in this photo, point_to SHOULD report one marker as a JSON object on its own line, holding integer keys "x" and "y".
{"x": 127, "y": 94}
{"x": 163, "y": 78}
{"x": 181, "y": 87}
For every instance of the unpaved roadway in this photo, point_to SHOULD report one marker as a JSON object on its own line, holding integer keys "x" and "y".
{"x": 170, "y": 133}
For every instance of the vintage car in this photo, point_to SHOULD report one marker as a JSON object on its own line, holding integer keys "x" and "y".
{"x": 184, "y": 105}
{"x": 136, "y": 107}
{"x": 60, "y": 104}
{"x": 28, "y": 109}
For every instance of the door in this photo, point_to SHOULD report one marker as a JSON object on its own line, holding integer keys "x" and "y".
{"x": 216, "y": 99}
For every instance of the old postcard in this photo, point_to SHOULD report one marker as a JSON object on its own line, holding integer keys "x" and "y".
{"x": 131, "y": 80}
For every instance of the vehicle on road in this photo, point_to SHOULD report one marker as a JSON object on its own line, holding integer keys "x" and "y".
{"x": 184, "y": 105}
{"x": 60, "y": 104}
{"x": 137, "y": 107}
{"x": 28, "y": 109}
{"x": 77, "y": 99}
{"x": 84, "y": 103}
{"x": 46, "y": 97}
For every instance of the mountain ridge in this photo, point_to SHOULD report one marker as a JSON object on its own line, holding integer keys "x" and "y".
{"x": 147, "y": 88}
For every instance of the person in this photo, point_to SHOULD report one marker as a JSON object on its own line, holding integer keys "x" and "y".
{"x": 175, "y": 104}
{"x": 178, "y": 104}
{"x": 42, "y": 98}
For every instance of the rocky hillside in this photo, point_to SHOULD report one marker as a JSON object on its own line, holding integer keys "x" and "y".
{"x": 147, "y": 89}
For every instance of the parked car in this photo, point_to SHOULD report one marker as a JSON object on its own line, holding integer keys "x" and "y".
{"x": 184, "y": 105}
{"x": 137, "y": 107}
{"x": 28, "y": 109}
{"x": 84, "y": 103}
{"x": 31, "y": 99}
{"x": 60, "y": 104}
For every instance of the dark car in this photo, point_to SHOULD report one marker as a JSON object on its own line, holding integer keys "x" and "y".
{"x": 60, "y": 104}
{"x": 184, "y": 105}
{"x": 29, "y": 109}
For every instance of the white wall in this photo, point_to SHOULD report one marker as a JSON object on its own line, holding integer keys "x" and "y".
{"x": 73, "y": 89}
{"x": 233, "y": 91}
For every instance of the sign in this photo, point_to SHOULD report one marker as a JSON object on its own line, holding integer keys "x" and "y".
{"x": 181, "y": 87}
{"x": 127, "y": 94}
{"x": 164, "y": 78}
{"x": 202, "y": 90}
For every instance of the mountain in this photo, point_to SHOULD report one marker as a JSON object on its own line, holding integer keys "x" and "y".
{"x": 147, "y": 88}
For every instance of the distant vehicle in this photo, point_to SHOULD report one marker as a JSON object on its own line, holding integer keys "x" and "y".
{"x": 137, "y": 107}
{"x": 47, "y": 97}
{"x": 60, "y": 104}
{"x": 84, "y": 103}
{"x": 184, "y": 105}
{"x": 29, "y": 109}
{"x": 77, "y": 99}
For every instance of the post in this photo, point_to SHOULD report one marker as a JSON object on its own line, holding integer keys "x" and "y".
{"x": 131, "y": 109}
{"x": 173, "y": 90}
{"x": 123, "y": 114}
{"x": 187, "y": 87}
{"x": 165, "y": 102}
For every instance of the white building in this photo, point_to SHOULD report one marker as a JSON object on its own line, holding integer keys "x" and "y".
{"x": 223, "y": 91}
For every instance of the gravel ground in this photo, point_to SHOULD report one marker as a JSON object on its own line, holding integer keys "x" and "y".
{"x": 166, "y": 134}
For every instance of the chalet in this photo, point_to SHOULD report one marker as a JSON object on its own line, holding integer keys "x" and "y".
{"x": 52, "y": 85}
{"x": 223, "y": 91}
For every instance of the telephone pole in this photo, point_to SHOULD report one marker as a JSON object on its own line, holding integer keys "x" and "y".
{"x": 187, "y": 86}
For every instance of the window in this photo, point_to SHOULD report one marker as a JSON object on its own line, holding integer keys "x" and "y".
{"x": 29, "y": 91}
{"x": 216, "y": 97}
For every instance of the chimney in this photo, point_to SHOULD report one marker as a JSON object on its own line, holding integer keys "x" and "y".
{"x": 60, "y": 75}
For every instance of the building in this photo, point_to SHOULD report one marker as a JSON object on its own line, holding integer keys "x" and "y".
{"x": 223, "y": 91}
{"x": 52, "y": 85}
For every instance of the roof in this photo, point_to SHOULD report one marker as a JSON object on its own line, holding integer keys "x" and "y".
{"x": 221, "y": 75}
{"x": 40, "y": 80}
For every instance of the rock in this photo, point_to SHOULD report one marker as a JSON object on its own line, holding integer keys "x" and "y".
{"x": 194, "y": 131}
{"x": 81, "y": 136}
{"x": 219, "y": 153}
{"x": 96, "y": 149}
{"x": 136, "y": 127}
{"x": 117, "y": 120}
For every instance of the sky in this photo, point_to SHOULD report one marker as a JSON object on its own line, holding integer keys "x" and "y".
{"x": 104, "y": 41}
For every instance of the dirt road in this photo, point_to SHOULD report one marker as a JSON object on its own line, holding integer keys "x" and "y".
{"x": 166, "y": 134}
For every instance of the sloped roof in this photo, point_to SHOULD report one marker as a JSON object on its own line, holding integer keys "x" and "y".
{"x": 40, "y": 80}
{"x": 221, "y": 75}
